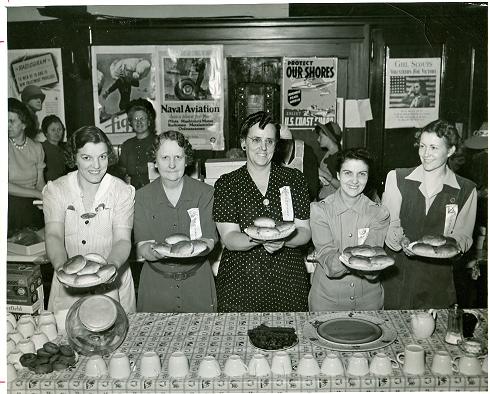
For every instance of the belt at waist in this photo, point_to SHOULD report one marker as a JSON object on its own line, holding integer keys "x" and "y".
{"x": 179, "y": 275}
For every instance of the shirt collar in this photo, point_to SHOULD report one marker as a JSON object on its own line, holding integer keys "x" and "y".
{"x": 449, "y": 179}
{"x": 185, "y": 195}
{"x": 340, "y": 206}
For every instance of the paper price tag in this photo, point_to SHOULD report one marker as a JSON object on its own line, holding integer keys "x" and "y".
{"x": 195, "y": 225}
{"x": 362, "y": 234}
{"x": 286, "y": 204}
{"x": 451, "y": 215}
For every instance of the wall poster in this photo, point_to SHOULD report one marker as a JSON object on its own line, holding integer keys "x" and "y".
{"x": 191, "y": 91}
{"x": 37, "y": 74}
{"x": 184, "y": 84}
{"x": 309, "y": 91}
{"x": 121, "y": 74}
{"x": 412, "y": 92}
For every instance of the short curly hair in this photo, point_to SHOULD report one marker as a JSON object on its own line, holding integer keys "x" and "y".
{"x": 443, "y": 129}
{"x": 19, "y": 108}
{"x": 181, "y": 140}
{"x": 142, "y": 104}
{"x": 83, "y": 136}
{"x": 48, "y": 121}
{"x": 361, "y": 154}
{"x": 263, "y": 119}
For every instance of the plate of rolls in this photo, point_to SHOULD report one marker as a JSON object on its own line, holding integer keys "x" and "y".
{"x": 180, "y": 246}
{"x": 434, "y": 246}
{"x": 366, "y": 258}
{"x": 86, "y": 271}
{"x": 266, "y": 229}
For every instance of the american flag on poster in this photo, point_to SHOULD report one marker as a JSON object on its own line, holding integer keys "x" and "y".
{"x": 412, "y": 92}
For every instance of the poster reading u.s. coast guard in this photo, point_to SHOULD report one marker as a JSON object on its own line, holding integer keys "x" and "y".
{"x": 309, "y": 91}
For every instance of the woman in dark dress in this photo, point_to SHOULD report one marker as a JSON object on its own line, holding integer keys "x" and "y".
{"x": 261, "y": 276}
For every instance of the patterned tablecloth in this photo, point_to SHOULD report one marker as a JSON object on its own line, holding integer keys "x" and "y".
{"x": 224, "y": 334}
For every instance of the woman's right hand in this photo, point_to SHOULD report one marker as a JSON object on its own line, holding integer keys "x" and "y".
{"x": 404, "y": 243}
{"x": 149, "y": 253}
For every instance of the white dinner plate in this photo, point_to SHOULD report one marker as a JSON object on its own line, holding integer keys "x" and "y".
{"x": 374, "y": 267}
{"x": 432, "y": 256}
{"x": 349, "y": 331}
{"x": 98, "y": 282}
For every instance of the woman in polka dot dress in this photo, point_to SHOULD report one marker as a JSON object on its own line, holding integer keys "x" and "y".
{"x": 261, "y": 276}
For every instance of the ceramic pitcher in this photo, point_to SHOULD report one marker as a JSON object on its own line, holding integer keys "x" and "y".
{"x": 423, "y": 323}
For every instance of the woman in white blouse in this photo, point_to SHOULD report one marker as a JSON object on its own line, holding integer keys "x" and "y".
{"x": 89, "y": 211}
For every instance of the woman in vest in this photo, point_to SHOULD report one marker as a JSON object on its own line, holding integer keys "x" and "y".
{"x": 428, "y": 199}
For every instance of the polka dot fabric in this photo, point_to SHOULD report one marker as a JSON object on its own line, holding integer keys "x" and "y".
{"x": 255, "y": 280}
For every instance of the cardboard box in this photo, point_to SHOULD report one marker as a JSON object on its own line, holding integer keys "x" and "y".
{"x": 24, "y": 284}
{"x": 28, "y": 250}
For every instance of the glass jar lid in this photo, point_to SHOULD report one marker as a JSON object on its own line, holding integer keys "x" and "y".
{"x": 97, "y": 313}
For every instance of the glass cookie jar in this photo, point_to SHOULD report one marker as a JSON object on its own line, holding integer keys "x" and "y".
{"x": 96, "y": 324}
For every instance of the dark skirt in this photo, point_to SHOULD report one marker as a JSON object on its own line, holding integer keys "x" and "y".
{"x": 22, "y": 213}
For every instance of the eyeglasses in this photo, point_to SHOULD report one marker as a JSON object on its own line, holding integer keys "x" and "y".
{"x": 257, "y": 141}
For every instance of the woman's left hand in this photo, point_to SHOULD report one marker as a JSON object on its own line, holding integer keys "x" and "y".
{"x": 273, "y": 246}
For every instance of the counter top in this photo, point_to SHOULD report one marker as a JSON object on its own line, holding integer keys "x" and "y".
{"x": 224, "y": 334}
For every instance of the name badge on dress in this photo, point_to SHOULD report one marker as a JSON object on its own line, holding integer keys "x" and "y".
{"x": 362, "y": 234}
{"x": 451, "y": 214}
{"x": 286, "y": 204}
{"x": 195, "y": 225}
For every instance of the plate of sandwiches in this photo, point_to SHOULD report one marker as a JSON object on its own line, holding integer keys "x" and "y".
{"x": 180, "y": 246}
{"x": 266, "y": 229}
{"x": 86, "y": 271}
{"x": 366, "y": 258}
{"x": 434, "y": 246}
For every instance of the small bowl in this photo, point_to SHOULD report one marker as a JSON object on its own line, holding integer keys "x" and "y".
{"x": 472, "y": 346}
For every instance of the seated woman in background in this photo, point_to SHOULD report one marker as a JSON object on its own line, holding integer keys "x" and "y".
{"x": 25, "y": 170}
{"x": 172, "y": 204}
{"x": 136, "y": 152}
{"x": 261, "y": 276}
{"x": 427, "y": 200}
{"x": 54, "y": 147}
{"x": 343, "y": 219}
{"x": 89, "y": 211}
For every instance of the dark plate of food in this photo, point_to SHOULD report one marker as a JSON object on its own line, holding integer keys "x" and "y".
{"x": 268, "y": 338}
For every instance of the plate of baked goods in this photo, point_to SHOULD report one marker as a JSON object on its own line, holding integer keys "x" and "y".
{"x": 434, "y": 246}
{"x": 349, "y": 331}
{"x": 266, "y": 229}
{"x": 180, "y": 246}
{"x": 366, "y": 258}
{"x": 272, "y": 339}
{"x": 50, "y": 357}
{"x": 86, "y": 271}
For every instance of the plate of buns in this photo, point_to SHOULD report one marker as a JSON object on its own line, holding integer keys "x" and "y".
{"x": 86, "y": 271}
{"x": 366, "y": 258}
{"x": 434, "y": 246}
{"x": 180, "y": 246}
{"x": 266, "y": 229}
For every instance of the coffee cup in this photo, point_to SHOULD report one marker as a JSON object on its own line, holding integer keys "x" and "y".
{"x": 26, "y": 346}
{"x": 26, "y": 327}
{"x": 29, "y": 318}
{"x": 150, "y": 365}
{"x": 469, "y": 365}
{"x": 11, "y": 373}
{"x": 412, "y": 359}
{"x": 11, "y": 318}
{"x": 96, "y": 366}
{"x": 382, "y": 365}
{"x": 49, "y": 329}
{"x": 484, "y": 364}
{"x": 234, "y": 366}
{"x": 281, "y": 363}
{"x": 357, "y": 365}
{"x": 308, "y": 366}
{"x": 60, "y": 317}
{"x": 178, "y": 365}
{"x": 209, "y": 368}
{"x": 11, "y": 345}
{"x": 258, "y": 365}
{"x": 14, "y": 358}
{"x": 46, "y": 317}
{"x": 119, "y": 367}
{"x": 15, "y": 336}
{"x": 39, "y": 338}
{"x": 443, "y": 364}
{"x": 10, "y": 327}
{"x": 332, "y": 365}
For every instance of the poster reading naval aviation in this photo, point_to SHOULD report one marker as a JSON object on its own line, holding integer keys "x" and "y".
{"x": 36, "y": 78}
{"x": 119, "y": 75}
{"x": 191, "y": 91}
{"x": 412, "y": 92}
{"x": 309, "y": 91}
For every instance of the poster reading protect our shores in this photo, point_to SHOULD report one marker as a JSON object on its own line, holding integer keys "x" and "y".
{"x": 119, "y": 75}
{"x": 412, "y": 92}
{"x": 191, "y": 91}
{"x": 36, "y": 78}
{"x": 309, "y": 91}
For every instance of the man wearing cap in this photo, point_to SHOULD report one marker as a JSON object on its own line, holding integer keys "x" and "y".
{"x": 33, "y": 97}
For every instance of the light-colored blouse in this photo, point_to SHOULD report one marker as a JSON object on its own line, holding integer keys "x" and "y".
{"x": 25, "y": 164}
